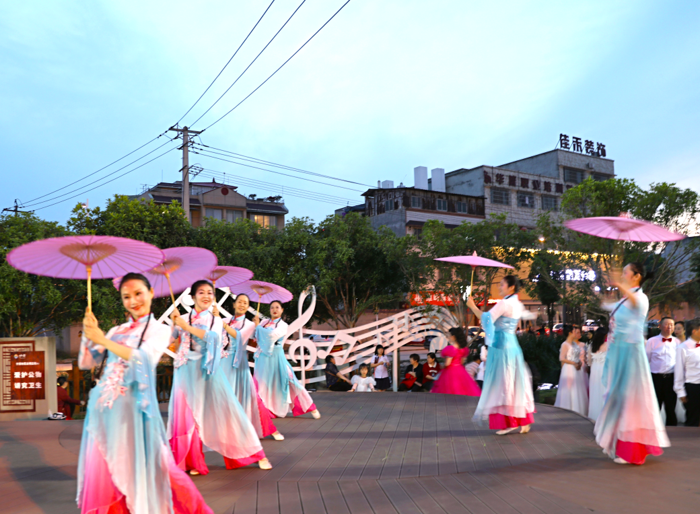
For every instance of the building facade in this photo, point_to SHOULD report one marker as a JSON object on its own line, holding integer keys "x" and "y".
{"x": 406, "y": 209}
{"x": 221, "y": 202}
{"x": 526, "y": 188}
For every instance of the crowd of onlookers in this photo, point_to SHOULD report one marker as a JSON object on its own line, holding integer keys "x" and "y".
{"x": 418, "y": 376}
{"x": 674, "y": 363}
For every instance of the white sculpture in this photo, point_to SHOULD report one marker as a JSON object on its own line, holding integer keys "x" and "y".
{"x": 353, "y": 346}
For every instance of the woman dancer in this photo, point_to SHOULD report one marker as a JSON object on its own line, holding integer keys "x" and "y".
{"x": 203, "y": 409}
{"x": 572, "y": 393}
{"x": 125, "y": 463}
{"x": 629, "y": 427}
{"x": 234, "y": 361}
{"x": 596, "y": 359}
{"x": 506, "y": 398}
{"x": 379, "y": 363}
{"x": 278, "y": 386}
{"x": 454, "y": 379}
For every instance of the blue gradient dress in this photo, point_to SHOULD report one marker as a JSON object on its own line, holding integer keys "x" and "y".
{"x": 204, "y": 414}
{"x": 277, "y": 384}
{"x": 234, "y": 362}
{"x": 506, "y": 398}
{"x": 125, "y": 461}
{"x": 629, "y": 425}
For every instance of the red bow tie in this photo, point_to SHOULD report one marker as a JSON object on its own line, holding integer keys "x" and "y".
{"x": 665, "y": 339}
{"x": 697, "y": 345}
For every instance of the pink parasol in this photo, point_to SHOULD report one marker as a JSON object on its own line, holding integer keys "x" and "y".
{"x": 228, "y": 276}
{"x": 622, "y": 228}
{"x": 265, "y": 291}
{"x": 85, "y": 257}
{"x": 182, "y": 266}
{"x": 474, "y": 261}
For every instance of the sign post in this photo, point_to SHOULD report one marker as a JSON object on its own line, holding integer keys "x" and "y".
{"x": 28, "y": 375}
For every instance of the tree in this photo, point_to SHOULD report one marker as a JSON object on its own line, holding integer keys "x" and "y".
{"x": 30, "y": 304}
{"x": 164, "y": 226}
{"x": 663, "y": 204}
{"x": 493, "y": 238}
{"x": 351, "y": 269}
{"x": 545, "y": 282}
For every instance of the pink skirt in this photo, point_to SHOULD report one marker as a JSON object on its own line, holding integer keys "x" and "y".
{"x": 501, "y": 422}
{"x": 100, "y": 495}
{"x": 636, "y": 453}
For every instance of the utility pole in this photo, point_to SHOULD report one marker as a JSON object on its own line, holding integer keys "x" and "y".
{"x": 186, "y": 167}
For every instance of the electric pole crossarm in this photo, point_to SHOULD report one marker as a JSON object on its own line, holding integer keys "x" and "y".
{"x": 186, "y": 167}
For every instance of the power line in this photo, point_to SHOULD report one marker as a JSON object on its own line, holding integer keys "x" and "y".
{"x": 285, "y": 191}
{"x": 115, "y": 178}
{"x": 277, "y": 165}
{"x": 94, "y": 172}
{"x": 278, "y": 69}
{"x": 282, "y": 188}
{"x": 251, "y": 63}
{"x": 208, "y": 153}
{"x": 227, "y": 63}
{"x": 31, "y": 204}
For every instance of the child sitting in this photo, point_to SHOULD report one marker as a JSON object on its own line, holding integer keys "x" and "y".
{"x": 363, "y": 383}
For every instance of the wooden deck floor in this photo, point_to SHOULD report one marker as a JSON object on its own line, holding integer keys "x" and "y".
{"x": 391, "y": 453}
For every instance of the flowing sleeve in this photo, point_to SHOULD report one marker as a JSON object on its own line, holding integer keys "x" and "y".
{"x": 90, "y": 354}
{"x": 679, "y": 372}
{"x": 564, "y": 351}
{"x": 265, "y": 341}
{"x": 280, "y": 331}
{"x": 212, "y": 347}
{"x": 247, "y": 331}
{"x": 142, "y": 367}
{"x": 487, "y": 323}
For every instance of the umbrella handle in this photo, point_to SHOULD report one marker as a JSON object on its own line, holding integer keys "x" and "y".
{"x": 89, "y": 287}
{"x": 170, "y": 286}
{"x": 471, "y": 284}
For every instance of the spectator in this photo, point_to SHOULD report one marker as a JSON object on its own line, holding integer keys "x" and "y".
{"x": 65, "y": 402}
{"x": 363, "y": 383}
{"x": 661, "y": 352}
{"x": 472, "y": 366}
{"x": 483, "y": 355}
{"x": 687, "y": 374}
{"x": 335, "y": 380}
{"x": 413, "y": 382}
{"x": 572, "y": 393}
{"x": 679, "y": 331}
{"x": 379, "y": 363}
{"x": 430, "y": 371}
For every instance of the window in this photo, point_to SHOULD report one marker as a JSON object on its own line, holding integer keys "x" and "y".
{"x": 500, "y": 196}
{"x": 549, "y": 203}
{"x": 264, "y": 220}
{"x": 233, "y": 216}
{"x": 416, "y": 202}
{"x": 388, "y": 205}
{"x": 213, "y": 213}
{"x": 599, "y": 177}
{"x": 573, "y": 175}
{"x": 526, "y": 200}
{"x": 461, "y": 206}
{"x": 441, "y": 205}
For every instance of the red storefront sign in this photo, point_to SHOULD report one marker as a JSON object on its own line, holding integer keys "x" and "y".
{"x": 431, "y": 298}
{"x": 27, "y": 375}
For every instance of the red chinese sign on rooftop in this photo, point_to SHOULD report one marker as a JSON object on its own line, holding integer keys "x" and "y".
{"x": 27, "y": 375}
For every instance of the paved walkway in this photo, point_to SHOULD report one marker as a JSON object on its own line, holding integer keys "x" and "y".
{"x": 390, "y": 453}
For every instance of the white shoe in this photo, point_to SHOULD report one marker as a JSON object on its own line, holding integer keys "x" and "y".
{"x": 525, "y": 429}
{"x": 277, "y": 436}
{"x": 506, "y": 431}
{"x": 316, "y": 414}
{"x": 194, "y": 472}
{"x": 618, "y": 460}
{"x": 264, "y": 464}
